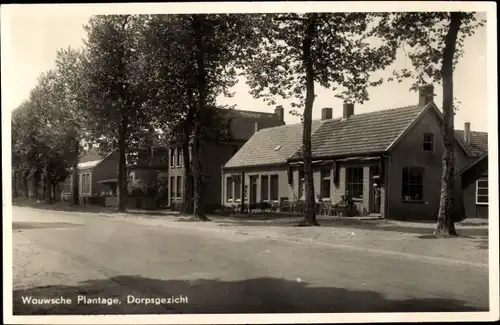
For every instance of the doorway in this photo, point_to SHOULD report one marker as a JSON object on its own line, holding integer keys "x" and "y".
{"x": 375, "y": 190}
{"x": 253, "y": 190}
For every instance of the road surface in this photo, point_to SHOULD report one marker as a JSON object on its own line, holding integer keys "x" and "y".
{"x": 75, "y": 263}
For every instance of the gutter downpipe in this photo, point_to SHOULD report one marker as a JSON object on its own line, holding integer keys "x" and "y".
{"x": 387, "y": 181}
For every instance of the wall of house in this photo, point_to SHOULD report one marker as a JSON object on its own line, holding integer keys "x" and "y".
{"x": 107, "y": 169}
{"x": 213, "y": 157}
{"x": 469, "y": 184}
{"x": 291, "y": 191}
{"x": 409, "y": 153}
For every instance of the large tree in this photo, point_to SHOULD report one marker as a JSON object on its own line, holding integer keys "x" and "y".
{"x": 113, "y": 94}
{"x": 69, "y": 74}
{"x": 435, "y": 43}
{"x": 25, "y": 143}
{"x": 56, "y": 140}
{"x": 194, "y": 59}
{"x": 298, "y": 51}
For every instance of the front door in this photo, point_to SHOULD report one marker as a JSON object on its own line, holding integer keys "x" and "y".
{"x": 253, "y": 190}
{"x": 375, "y": 190}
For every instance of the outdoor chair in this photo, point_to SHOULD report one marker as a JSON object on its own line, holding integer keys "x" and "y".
{"x": 325, "y": 208}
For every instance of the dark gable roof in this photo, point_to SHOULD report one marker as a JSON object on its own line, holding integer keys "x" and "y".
{"x": 91, "y": 155}
{"x": 362, "y": 133}
{"x": 478, "y": 145}
{"x": 271, "y": 146}
{"x": 242, "y": 123}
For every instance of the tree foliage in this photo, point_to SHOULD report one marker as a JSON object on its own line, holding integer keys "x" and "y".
{"x": 193, "y": 59}
{"x": 435, "y": 42}
{"x": 338, "y": 51}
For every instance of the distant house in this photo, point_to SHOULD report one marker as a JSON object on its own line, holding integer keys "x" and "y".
{"x": 388, "y": 161}
{"x": 241, "y": 125}
{"x": 474, "y": 176}
{"x": 149, "y": 166}
{"x": 96, "y": 175}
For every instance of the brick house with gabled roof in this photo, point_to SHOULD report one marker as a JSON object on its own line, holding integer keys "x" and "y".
{"x": 241, "y": 126}
{"x": 388, "y": 161}
{"x": 474, "y": 175}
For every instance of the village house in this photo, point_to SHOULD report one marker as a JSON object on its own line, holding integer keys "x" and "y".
{"x": 241, "y": 125}
{"x": 96, "y": 175}
{"x": 474, "y": 176}
{"x": 388, "y": 162}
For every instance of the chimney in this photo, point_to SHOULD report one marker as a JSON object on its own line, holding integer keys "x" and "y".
{"x": 425, "y": 95}
{"x": 348, "y": 110}
{"x": 256, "y": 126}
{"x": 279, "y": 111}
{"x": 326, "y": 113}
{"x": 467, "y": 135}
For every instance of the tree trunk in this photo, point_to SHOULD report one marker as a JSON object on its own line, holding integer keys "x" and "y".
{"x": 47, "y": 191}
{"x": 14, "y": 184}
{"x": 188, "y": 194}
{"x": 122, "y": 185}
{"x": 35, "y": 185}
{"x": 188, "y": 175}
{"x": 310, "y": 217}
{"x": 445, "y": 222}
{"x": 199, "y": 208}
{"x": 54, "y": 192}
{"x": 75, "y": 196}
{"x": 26, "y": 186}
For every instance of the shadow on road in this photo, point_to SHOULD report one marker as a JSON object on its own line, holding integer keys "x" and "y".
{"x": 354, "y": 223}
{"x": 42, "y": 225}
{"x": 261, "y": 295}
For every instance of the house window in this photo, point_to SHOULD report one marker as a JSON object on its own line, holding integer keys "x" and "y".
{"x": 67, "y": 185}
{"x": 428, "y": 143}
{"x": 85, "y": 183}
{"x": 413, "y": 183}
{"x": 301, "y": 184}
{"x": 264, "y": 188}
{"x": 482, "y": 191}
{"x": 178, "y": 186}
{"x": 325, "y": 183}
{"x": 237, "y": 188}
{"x": 172, "y": 157}
{"x": 172, "y": 187}
{"x": 354, "y": 182}
{"x": 229, "y": 188}
{"x": 274, "y": 187}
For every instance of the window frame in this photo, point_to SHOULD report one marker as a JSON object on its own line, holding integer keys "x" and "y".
{"x": 178, "y": 159}
{"x": 265, "y": 189}
{"x": 178, "y": 187}
{"x": 482, "y": 179}
{"x": 409, "y": 183}
{"x": 172, "y": 187}
{"x": 325, "y": 175}
{"x": 276, "y": 197}
{"x": 301, "y": 183}
{"x": 428, "y": 142}
{"x": 229, "y": 189}
{"x": 237, "y": 188}
{"x": 349, "y": 183}
{"x": 172, "y": 157}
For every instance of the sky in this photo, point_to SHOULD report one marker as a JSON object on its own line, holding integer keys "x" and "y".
{"x": 31, "y": 36}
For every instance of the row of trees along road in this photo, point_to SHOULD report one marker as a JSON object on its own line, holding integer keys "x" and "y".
{"x": 166, "y": 71}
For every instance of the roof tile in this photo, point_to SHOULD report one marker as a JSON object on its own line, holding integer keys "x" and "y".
{"x": 478, "y": 145}
{"x": 264, "y": 147}
{"x": 362, "y": 133}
